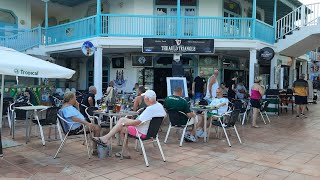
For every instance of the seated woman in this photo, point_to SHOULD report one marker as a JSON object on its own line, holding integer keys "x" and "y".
{"x": 71, "y": 113}
{"x": 133, "y": 127}
{"x": 139, "y": 100}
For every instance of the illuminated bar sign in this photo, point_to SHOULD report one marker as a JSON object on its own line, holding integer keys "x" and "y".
{"x": 176, "y": 46}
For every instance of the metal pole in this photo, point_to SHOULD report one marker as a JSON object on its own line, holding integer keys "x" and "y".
{"x": 98, "y": 23}
{"x": 275, "y": 19}
{"x": 178, "y": 19}
{"x": 254, "y": 17}
{"x": 1, "y": 108}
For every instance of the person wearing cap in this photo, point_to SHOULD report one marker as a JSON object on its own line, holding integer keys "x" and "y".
{"x": 301, "y": 90}
{"x": 177, "y": 103}
{"x": 132, "y": 126}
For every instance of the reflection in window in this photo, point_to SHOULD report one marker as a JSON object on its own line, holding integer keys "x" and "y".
{"x": 7, "y": 17}
{"x": 231, "y": 9}
{"x": 232, "y": 6}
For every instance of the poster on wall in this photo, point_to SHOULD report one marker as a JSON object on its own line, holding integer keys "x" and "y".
{"x": 142, "y": 61}
{"x": 119, "y": 82}
{"x": 118, "y": 62}
{"x": 173, "y": 82}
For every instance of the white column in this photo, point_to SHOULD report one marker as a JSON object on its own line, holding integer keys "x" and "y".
{"x": 281, "y": 82}
{"x": 304, "y": 69}
{"x": 97, "y": 82}
{"x": 273, "y": 64}
{"x": 253, "y": 61}
{"x": 292, "y": 73}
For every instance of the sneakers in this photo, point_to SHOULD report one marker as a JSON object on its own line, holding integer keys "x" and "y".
{"x": 190, "y": 138}
{"x": 302, "y": 115}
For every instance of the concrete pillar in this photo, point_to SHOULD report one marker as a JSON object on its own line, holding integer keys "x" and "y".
{"x": 253, "y": 61}
{"x": 304, "y": 69}
{"x": 281, "y": 82}
{"x": 273, "y": 64}
{"x": 292, "y": 73}
{"x": 97, "y": 82}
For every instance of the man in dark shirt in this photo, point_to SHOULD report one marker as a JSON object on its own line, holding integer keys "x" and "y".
{"x": 199, "y": 87}
{"x": 89, "y": 99}
{"x": 177, "y": 103}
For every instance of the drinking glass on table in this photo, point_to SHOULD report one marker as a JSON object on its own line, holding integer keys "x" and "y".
{"x": 118, "y": 108}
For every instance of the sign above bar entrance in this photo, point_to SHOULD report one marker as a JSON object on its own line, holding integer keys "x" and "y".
{"x": 177, "y": 46}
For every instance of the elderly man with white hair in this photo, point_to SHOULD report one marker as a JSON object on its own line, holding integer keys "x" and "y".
{"x": 154, "y": 109}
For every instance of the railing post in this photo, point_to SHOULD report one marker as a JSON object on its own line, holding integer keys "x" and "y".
{"x": 98, "y": 18}
{"x": 39, "y": 35}
{"x": 178, "y": 19}
{"x": 275, "y": 19}
{"x": 303, "y": 15}
{"x": 254, "y": 17}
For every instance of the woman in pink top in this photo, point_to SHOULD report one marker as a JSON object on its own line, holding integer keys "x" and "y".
{"x": 255, "y": 99}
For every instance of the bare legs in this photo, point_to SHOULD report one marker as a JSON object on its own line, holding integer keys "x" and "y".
{"x": 254, "y": 117}
{"x": 118, "y": 128}
{"x": 96, "y": 132}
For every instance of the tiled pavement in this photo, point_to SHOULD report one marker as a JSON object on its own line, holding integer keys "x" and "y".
{"x": 288, "y": 148}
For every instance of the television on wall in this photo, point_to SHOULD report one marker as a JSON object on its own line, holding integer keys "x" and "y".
{"x": 142, "y": 61}
{"x": 118, "y": 62}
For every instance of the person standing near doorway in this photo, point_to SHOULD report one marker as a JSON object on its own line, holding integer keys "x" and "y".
{"x": 300, "y": 90}
{"x": 212, "y": 87}
{"x": 199, "y": 87}
{"x": 257, "y": 92}
{"x": 231, "y": 85}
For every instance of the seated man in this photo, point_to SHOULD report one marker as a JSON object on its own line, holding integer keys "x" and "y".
{"x": 154, "y": 109}
{"x": 176, "y": 103}
{"x": 89, "y": 99}
{"x": 221, "y": 103}
{"x": 70, "y": 111}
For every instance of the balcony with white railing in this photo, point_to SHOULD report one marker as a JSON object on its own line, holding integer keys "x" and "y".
{"x": 119, "y": 25}
{"x": 299, "y": 31}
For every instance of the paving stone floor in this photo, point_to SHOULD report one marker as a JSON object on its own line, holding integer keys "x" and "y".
{"x": 288, "y": 148}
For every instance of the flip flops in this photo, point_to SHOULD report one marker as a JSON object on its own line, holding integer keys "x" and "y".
{"x": 118, "y": 154}
{"x": 99, "y": 141}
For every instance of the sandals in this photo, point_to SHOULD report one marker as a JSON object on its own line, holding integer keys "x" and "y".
{"x": 99, "y": 141}
{"x": 118, "y": 154}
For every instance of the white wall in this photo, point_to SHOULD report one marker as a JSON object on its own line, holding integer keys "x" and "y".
{"x": 210, "y": 8}
{"x": 21, "y": 8}
{"x": 130, "y": 75}
{"x": 144, "y": 7}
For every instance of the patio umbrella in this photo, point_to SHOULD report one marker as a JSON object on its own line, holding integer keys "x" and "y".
{"x": 14, "y": 63}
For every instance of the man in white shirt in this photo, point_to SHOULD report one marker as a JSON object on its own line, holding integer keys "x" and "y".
{"x": 213, "y": 85}
{"x": 133, "y": 127}
{"x": 221, "y": 103}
